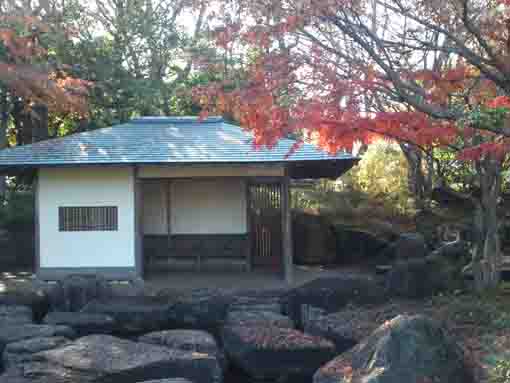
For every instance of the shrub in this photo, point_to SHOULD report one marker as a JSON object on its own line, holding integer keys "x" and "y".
{"x": 501, "y": 372}
{"x": 17, "y": 212}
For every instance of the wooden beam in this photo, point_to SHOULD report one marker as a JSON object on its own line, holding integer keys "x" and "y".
{"x": 287, "y": 248}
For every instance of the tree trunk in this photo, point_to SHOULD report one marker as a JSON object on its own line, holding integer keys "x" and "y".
{"x": 416, "y": 177}
{"x": 40, "y": 123}
{"x": 4, "y": 120}
{"x": 487, "y": 251}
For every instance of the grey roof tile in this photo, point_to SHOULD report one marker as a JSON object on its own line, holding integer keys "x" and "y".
{"x": 160, "y": 140}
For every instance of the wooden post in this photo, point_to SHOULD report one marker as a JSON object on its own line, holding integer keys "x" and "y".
{"x": 248, "y": 225}
{"x": 288, "y": 266}
{"x": 138, "y": 200}
{"x": 37, "y": 263}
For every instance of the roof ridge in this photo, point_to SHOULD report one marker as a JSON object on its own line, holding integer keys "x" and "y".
{"x": 175, "y": 119}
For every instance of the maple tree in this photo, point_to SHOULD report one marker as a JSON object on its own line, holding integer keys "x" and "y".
{"x": 32, "y": 83}
{"x": 429, "y": 74}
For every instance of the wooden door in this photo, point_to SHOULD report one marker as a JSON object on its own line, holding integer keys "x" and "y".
{"x": 265, "y": 211}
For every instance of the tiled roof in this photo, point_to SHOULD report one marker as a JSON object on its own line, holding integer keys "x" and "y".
{"x": 159, "y": 140}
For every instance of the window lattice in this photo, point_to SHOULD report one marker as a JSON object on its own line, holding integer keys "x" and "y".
{"x": 103, "y": 218}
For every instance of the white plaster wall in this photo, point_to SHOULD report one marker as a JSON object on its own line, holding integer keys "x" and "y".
{"x": 82, "y": 186}
{"x": 208, "y": 206}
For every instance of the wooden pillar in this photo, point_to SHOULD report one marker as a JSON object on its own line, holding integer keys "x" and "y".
{"x": 138, "y": 205}
{"x": 37, "y": 229}
{"x": 287, "y": 251}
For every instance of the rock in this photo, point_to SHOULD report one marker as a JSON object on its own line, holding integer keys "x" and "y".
{"x": 353, "y": 244}
{"x": 353, "y": 323}
{"x": 419, "y": 278}
{"x": 314, "y": 239}
{"x": 16, "y": 333}
{"x": 82, "y": 323}
{"x": 202, "y": 309}
{"x": 14, "y": 314}
{"x": 333, "y": 293}
{"x": 134, "y": 315}
{"x": 32, "y": 295}
{"x": 333, "y": 328}
{"x": 23, "y": 351}
{"x": 75, "y": 291}
{"x": 453, "y": 250}
{"x": 106, "y": 359}
{"x": 406, "y": 349}
{"x": 409, "y": 245}
{"x": 258, "y": 300}
{"x": 187, "y": 340}
{"x": 258, "y": 318}
{"x": 174, "y": 380}
{"x": 276, "y": 353}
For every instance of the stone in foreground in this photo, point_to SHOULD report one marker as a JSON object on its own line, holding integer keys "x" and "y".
{"x": 186, "y": 340}
{"x": 15, "y": 333}
{"x": 173, "y": 380}
{"x": 15, "y": 314}
{"x": 276, "y": 353}
{"x": 258, "y": 318}
{"x": 82, "y": 323}
{"x": 106, "y": 359}
{"x": 202, "y": 309}
{"x": 23, "y": 351}
{"x": 411, "y": 349}
{"x": 133, "y": 315}
{"x": 333, "y": 293}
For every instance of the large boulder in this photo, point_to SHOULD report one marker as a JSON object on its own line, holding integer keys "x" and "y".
{"x": 333, "y": 293}
{"x": 134, "y": 315}
{"x": 32, "y": 295}
{"x": 455, "y": 250}
{"x": 276, "y": 353}
{"x": 82, "y": 323}
{"x": 353, "y": 323}
{"x": 202, "y": 309}
{"x": 173, "y": 380}
{"x": 409, "y": 245}
{"x": 18, "y": 353}
{"x": 15, "y": 333}
{"x": 258, "y": 318}
{"x": 258, "y": 300}
{"x": 15, "y": 314}
{"x": 354, "y": 244}
{"x": 186, "y": 340}
{"x": 410, "y": 349}
{"x": 314, "y": 239}
{"x": 423, "y": 277}
{"x": 106, "y": 359}
{"x": 74, "y": 292}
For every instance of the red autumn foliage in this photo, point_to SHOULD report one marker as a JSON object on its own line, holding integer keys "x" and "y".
{"x": 307, "y": 78}
{"x": 27, "y": 74}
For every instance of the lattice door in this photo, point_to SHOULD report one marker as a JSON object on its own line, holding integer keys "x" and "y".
{"x": 265, "y": 201}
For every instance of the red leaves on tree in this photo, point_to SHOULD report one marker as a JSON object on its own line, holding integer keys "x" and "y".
{"x": 499, "y": 102}
{"x": 27, "y": 74}
{"x": 307, "y": 91}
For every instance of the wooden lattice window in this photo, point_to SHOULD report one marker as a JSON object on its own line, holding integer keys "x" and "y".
{"x": 102, "y": 218}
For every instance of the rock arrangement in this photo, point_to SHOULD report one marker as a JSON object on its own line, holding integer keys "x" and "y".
{"x": 199, "y": 336}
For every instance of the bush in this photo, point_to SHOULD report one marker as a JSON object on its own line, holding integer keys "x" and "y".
{"x": 17, "y": 212}
{"x": 501, "y": 372}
